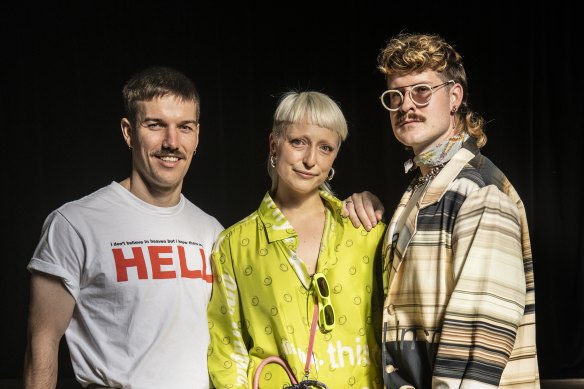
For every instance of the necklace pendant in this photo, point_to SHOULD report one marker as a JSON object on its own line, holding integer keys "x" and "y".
{"x": 424, "y": 179}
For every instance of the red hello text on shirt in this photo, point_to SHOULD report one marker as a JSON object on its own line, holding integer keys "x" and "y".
{"x": 162, "y": 259}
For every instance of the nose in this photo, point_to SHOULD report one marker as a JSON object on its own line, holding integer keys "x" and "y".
{"x": 310, "y": 157}
{"x": 170, "y": 140}
{"x": 408, "y": 103}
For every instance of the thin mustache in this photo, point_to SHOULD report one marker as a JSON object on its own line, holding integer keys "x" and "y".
{"x": 169, "y": 153}
{"x": 403, "y": 118}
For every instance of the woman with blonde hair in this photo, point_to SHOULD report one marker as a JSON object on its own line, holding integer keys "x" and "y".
{"x": 294, "y": 282}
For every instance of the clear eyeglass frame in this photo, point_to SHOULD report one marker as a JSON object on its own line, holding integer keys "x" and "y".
{"x": 425, "y": 92}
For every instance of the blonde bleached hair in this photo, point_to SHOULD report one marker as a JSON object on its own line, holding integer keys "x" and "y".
{"x": 306, "y": 107}
{"x": 410, "y": 53}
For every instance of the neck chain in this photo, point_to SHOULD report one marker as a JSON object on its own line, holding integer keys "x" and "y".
{"x": 423, "y": 180}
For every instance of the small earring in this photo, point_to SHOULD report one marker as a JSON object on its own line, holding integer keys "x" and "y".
{"x": 130, "y": 147}
{"x": 331, "y": 174}
{"x": 273, "y": 160}
{"x": 453, "y": 110}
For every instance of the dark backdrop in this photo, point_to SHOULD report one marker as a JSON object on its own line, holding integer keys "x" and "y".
{"x": 64, "y": 66}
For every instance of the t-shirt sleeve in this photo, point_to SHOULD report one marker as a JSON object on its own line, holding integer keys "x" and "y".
{"x": 59, "y": 252}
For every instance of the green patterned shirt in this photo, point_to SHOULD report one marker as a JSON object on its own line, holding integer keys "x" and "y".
{"x": 262, "y": 302}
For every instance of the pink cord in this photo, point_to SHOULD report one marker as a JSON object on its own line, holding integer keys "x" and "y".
{"x": 272, "y": 359}
{"x": 311, "y": 343}
{"x": 281, "y": 362}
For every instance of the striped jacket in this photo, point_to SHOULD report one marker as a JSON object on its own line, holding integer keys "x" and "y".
{"x": 460, "y": 306}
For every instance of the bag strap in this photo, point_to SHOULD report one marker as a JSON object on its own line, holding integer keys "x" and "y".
{"x": 311, "y": 341}
{"x": 281, "y": 362}
{"x": 272, "y": 359}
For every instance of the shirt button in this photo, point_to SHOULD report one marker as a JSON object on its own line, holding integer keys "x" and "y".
{"x": 390, "y": 369}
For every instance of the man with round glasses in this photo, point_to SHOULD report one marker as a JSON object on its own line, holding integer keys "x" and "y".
{"x": 460, "y": 305}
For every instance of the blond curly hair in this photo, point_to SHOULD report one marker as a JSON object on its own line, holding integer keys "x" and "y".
{"x": 409, "y": 53}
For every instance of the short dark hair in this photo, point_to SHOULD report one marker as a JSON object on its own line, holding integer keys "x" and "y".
{"x": 155, "y": 82}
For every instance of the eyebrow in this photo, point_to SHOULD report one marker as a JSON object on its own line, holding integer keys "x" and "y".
{"x": 407, "y": 86}
{"x": 148, "y": 119}
{"x": 195, "y": 122}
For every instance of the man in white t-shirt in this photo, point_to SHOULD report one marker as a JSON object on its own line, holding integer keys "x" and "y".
{"x": 124, "y": 272}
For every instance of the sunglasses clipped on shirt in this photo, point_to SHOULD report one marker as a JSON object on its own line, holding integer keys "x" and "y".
{"x": 326, "y": 313}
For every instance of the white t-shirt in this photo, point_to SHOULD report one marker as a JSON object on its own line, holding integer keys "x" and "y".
{"x": 141, "y": 279}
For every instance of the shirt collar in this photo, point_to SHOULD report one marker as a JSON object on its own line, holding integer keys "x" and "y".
{"x": 275, "y": 223}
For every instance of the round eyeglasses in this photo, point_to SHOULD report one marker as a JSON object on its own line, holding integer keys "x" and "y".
{"x": 420, "y": 94}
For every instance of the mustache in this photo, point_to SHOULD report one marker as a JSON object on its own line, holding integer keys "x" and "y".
{"x": 404, "y": 117}
{"x": 168, "y": 152}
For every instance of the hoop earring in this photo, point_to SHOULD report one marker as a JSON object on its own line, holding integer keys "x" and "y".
{"x": 273, "y": 160}
{"x": 331, "y": 174}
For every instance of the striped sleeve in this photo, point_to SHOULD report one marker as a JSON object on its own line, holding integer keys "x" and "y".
{"x": 487, "y": 304}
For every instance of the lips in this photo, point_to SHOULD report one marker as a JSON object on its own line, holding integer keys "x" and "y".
{"x": 169, "y": 158}
{"x": 305, "y": 174}
{"x": 410, "y": 119}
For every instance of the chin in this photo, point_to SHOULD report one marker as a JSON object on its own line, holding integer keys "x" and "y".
{"x": 303, "y": 190}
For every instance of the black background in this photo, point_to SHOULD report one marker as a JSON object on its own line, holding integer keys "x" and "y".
{"x": 64, "y": 65}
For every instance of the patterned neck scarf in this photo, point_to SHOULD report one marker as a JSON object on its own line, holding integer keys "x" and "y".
{"x": 438, "y": 155}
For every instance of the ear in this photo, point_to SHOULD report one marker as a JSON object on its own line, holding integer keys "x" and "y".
{"x": 273, "y": 143}
{"x": 127, "y": 131}
{"x": 197, "y": 132}
{"x": 456, "y": 94}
